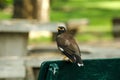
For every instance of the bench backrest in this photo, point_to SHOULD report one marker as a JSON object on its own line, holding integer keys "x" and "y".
{"x": 101, "y": 69}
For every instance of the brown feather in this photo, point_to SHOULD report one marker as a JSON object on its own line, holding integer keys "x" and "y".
{"x": 68, "y": 46}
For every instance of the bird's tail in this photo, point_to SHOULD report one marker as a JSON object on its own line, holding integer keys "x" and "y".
{"x": 79, "y": 61}
{"x": 79, "y": 64}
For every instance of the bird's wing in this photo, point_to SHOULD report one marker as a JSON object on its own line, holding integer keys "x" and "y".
{"x": 68, "y": 46}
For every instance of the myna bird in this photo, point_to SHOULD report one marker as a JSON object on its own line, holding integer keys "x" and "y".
{"x": 68, "y": 46}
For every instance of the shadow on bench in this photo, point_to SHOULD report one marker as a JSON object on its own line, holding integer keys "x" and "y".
{"x": 100, "y": 69}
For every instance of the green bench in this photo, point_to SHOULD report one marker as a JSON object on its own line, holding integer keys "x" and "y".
{"x": 98, "y": 69}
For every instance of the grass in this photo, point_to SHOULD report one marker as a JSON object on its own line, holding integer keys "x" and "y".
{"x": 40, "y": 40}
{"x": 4, "y": 15}
{"x": 91, "y": 38}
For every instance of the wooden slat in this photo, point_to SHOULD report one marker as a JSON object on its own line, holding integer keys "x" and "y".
{"x": 26, "y": 26}
{"x": 12, "y": 67}
{"x": 12, "y": 71}
{"x": 11, "y": 61}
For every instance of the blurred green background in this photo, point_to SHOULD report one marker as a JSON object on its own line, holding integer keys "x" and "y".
{"x": 99, "y": 13}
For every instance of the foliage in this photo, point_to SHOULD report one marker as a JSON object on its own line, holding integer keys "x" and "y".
{"x": 5, "y": 15}
{"x": 5, "y": 3}
{"x": 98, "y": 12}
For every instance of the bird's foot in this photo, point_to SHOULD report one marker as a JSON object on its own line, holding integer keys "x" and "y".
{"x": 67, "y": 59}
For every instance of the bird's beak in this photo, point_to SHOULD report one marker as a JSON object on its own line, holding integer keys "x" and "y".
{"x": 58, "y": 28}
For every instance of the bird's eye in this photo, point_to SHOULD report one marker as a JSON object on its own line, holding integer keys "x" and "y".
{"x": 62, "y": 28}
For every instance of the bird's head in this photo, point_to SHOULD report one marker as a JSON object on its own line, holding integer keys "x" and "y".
{"x": 61, "y": 29}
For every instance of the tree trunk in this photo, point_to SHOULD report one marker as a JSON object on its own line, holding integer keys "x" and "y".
{"x": 32, "y": 9}
{"x": 43, "y": 10}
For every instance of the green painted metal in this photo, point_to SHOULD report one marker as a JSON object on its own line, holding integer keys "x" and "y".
{"x": 99, "y": 69}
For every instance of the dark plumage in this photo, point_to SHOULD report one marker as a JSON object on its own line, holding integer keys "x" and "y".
{"x": 68, "y": 46}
